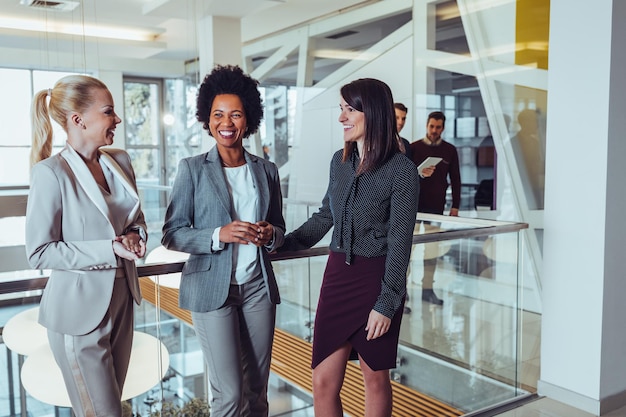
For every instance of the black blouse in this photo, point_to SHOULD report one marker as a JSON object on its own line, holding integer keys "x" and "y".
{"x": 373, "y": 214}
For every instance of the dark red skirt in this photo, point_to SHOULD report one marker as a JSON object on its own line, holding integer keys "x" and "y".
{"x": 347, "y": 296}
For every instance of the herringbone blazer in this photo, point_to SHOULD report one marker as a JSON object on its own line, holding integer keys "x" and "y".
{"x": 199, "y": 203}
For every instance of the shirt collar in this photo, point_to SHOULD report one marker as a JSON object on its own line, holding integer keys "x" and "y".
{"x": 429, "y": 143}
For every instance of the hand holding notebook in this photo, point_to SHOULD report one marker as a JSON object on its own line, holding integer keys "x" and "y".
{"x": 428, "y": 162}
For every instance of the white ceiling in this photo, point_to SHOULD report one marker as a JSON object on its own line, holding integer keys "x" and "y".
{"x": 173, "y": 26}
{"x": 172, "y": 21}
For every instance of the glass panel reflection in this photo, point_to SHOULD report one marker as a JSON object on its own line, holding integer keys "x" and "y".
{"x": 526, "y": 109}
{"x": 449, "y": 32}
{"x": 184, "y": 379}
{"x": 141, "y": 109}
{"x": 182, "y": 131}
{"x": 464, "y": 353}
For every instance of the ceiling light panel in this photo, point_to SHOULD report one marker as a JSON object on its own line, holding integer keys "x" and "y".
{"x": 57, "y": 6}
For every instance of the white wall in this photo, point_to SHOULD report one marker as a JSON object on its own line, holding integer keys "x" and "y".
{"x": 583, "y": 355}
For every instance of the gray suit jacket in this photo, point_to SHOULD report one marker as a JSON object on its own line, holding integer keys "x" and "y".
{"x": 200, "y": 202}
{"x": 68, "y": 230}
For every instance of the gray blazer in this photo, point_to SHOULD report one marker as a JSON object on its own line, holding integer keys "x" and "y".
{"x": 199, "y": 203}
{"x": 68, "y": 230}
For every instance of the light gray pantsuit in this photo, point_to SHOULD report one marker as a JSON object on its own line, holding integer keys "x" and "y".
{"x": 235, "y": 323}
{"x": 236, "y": 342}
{"x": 87, "y": 305}
{"x": 94, "y": 365}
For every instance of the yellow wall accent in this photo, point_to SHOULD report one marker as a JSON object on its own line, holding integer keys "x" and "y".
{"x": 532, "y": 32}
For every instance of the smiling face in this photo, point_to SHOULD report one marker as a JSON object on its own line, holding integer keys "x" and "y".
{"x": 353, "y": 122}
{"x": 227, "y": 121}
{"x": 99, "y": 120}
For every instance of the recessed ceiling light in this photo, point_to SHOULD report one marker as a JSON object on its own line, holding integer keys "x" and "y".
{"x": 57, "y": 6}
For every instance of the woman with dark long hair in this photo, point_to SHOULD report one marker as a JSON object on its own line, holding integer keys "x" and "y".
{"x": 371, "y": 203}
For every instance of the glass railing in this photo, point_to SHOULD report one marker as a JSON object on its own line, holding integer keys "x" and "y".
{"x": 479, "y": 349}
{"x": 469, "y": 352}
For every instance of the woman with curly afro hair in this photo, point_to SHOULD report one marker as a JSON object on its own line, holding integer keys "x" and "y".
{"x": 226, "y": 212}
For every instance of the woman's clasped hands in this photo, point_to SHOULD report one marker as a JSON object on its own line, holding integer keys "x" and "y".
{"x": 129, "y": 246}
{"x": 259, "y": 233}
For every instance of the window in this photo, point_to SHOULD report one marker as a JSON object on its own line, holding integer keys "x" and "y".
{"x": 15, "y": 139}
{"x": 161, "y": 129}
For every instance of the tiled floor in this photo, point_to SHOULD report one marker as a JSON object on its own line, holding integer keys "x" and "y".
{"x": 546, "y": 407}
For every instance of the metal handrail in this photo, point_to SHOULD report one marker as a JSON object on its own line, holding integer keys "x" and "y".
{"x": 36, "y": 280}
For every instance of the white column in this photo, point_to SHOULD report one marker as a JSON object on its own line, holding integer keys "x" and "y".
{"x": 583, "y": 354}
{"x": 219, "y": 42}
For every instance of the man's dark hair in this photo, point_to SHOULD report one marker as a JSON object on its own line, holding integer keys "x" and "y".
{"x": 400, "y": 107}
{"x": 437, "y": 115}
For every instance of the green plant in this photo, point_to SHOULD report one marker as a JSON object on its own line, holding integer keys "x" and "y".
{"x": 127, "y": 409}
{"x": 196, "y": 407}
{"x": 168, "y": 409}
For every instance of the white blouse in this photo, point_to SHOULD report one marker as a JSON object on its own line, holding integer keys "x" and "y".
{"x": 245, "y": 202}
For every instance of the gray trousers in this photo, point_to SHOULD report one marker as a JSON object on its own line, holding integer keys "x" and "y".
{"x": 94, "y": 365}
{"x": 236, "y": 341}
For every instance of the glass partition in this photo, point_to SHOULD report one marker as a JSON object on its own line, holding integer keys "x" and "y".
{"x": 465, "y": 355}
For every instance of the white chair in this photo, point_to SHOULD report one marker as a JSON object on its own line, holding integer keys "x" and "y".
{"x": 22, "y": 335}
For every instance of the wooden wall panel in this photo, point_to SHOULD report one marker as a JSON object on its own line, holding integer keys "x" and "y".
{"x": 291, "y": 359}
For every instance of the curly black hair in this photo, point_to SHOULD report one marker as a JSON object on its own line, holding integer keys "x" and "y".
{"x": 230, "y": 79}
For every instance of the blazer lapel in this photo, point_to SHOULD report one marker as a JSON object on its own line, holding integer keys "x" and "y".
{"x": 86, "y": 180}
{"x": 260, "y": 182}
{"x": 213, "y": 169}
{"x": 121, "y": 176}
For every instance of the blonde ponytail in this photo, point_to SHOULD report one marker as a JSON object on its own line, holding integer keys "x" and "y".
{"x": 41, "y": 127}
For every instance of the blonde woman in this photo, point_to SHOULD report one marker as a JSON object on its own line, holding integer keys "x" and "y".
{"x": 84, "y": 222}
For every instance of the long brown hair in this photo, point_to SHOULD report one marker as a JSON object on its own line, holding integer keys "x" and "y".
{"x": 372, "y": 97}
